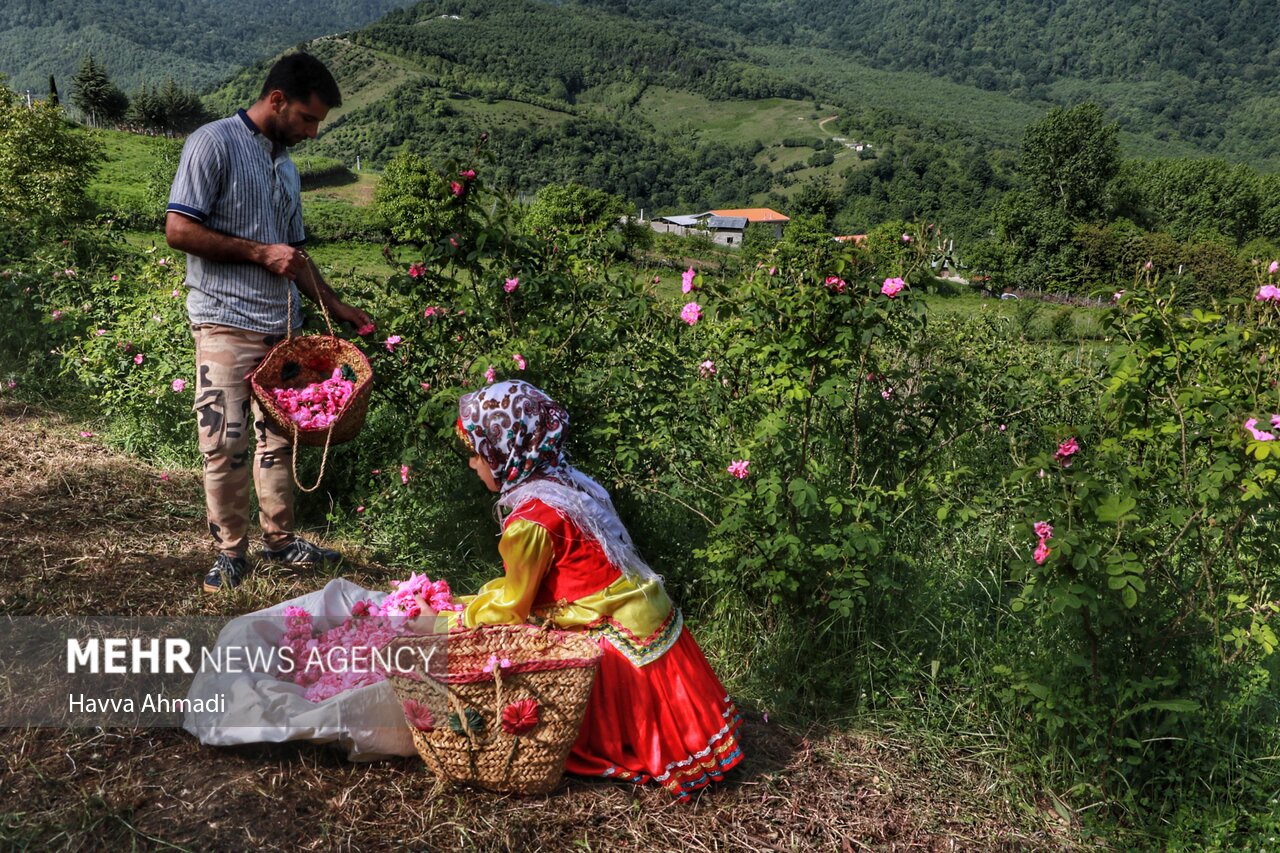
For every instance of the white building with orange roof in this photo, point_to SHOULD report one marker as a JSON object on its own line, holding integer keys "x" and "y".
{"x": 758, "y": 216}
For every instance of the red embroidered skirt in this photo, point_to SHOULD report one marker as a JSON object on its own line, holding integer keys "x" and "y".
{"x": 669, "y": 721}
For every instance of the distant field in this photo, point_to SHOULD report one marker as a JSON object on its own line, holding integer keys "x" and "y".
{"x": 732, "y": 122}
{"x": 127, "y": 164}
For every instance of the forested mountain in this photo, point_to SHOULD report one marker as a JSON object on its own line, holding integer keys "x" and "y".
{"x": 1204, "y": 71}
{"x": 196, "y": 42}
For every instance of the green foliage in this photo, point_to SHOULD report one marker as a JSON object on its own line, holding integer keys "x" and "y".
{"x": 1069, "y": 157}
{"x": 45, "y": 168}
{"x": 416, "y": 202}
{"x": 95, "y": 95}
{"x": 575, "y": 210}
{"x": 1158, "y": 587}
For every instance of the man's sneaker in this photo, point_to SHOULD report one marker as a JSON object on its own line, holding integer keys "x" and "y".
{"x": 300, "y": 552}
{"x": 227, "y": 573}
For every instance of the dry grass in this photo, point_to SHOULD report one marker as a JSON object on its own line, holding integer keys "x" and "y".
{"x": 84, "y": 530}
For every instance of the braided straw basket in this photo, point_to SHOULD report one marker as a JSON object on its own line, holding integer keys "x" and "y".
{"x": 312, "y": 359}
{"x": 501, "y": 727}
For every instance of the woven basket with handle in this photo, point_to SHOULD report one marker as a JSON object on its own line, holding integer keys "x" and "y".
{"x": 497, "y": 706}
{"x": 302, "y": 360}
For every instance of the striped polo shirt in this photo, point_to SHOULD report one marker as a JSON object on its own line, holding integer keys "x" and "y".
{"x": 232, "y": 179}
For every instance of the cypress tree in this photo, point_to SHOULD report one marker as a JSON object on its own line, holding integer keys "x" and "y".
{"x": 53, "y": 91}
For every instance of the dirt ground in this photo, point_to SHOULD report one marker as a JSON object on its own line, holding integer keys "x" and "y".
{"x": 86, "y": 530}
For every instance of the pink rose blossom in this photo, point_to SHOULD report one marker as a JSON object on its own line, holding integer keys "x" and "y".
{"x": 366, "y": 329}
{"x": 1275, "y": 421}
{"x": 519, "y": 360}
{"x": 1115, "y": 297}
{"x": 115, "y": 278}
{"x": 511, "y": 284}
{"x": 85, "y": 434}
{"x": 496, "y": 662}
{"x": 739, "y": 468}
{"x": 417, "y": 270}
{"x": 178, "y": 385}
{"x": 691, "y": 313}
{"x": 1065, "y": 451}
{"x": 707, "y": 369}
{"x": 887, "y": 393}
{"x": 1147, "y": 266}
{"x": 457, "y": 189}
{"x": 1258, "y": 435}
{"x": 138, "y": 359}
{"x": 1002, "y": 427}
{"x": 164, "y": 478}
{"x": 892, "y": 287}
{"x": 1043, "y": 529}
{"x": 1275, "y": 267}
{"x": 489, "y": 375}
{"x": 1042, "y": 553}
{"x": 391, "y": 342}
{"x": 55, "y": 315}
{"x": 467, "y": 174}
{"x": 360, "y": 509}
{"x": 100, "y": 332}
{"x": 773, "y": 270}
{"x": 404, "y": 474}
{"x": 69, "y": 273}
{"x": 906, "y": 238}
{"x": 1268, "y": 293}
{"x": 426, "y": 386}
{"x": 836, "y": 283}
{"x": 686, "y": 280}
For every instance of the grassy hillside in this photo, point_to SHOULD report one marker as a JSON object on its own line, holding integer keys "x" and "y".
{"x": 1200, "y": 73}
{"x": 144, "y": 41}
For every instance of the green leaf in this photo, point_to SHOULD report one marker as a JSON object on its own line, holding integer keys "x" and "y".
{"x": 1114, "y": 508}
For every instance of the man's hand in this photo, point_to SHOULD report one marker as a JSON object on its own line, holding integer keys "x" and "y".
{"x": 349, "y": 314}
{"x": 282, "y": 259}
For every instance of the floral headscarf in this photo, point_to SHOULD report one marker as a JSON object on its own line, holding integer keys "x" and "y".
{"x": 516, "y": 429}
{"x": 519, "y": 433}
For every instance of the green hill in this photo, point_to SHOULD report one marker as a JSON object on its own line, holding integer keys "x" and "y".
{"x": 1198, "y": 72}
{"x": 196, "y": 42}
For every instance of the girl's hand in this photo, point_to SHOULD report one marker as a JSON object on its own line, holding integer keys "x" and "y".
{"x": 425, "y": 622}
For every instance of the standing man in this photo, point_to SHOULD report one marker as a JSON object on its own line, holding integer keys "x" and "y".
{"x": 236, "y": 210}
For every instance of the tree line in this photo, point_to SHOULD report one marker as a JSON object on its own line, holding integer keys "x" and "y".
{"x": 168, "y": 108}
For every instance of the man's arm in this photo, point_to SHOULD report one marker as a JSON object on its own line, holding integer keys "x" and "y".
{"x": 186, "y": 235}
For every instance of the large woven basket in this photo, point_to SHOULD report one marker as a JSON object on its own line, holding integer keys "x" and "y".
{"x": 504, "y": 728}
{"x": 308, "y": 359}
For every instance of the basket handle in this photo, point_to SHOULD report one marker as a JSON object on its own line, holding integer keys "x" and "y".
{"x": 324, "y": 459}
{"x": 315, "y": 285}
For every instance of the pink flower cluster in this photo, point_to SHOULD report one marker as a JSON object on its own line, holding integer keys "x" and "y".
{"x": 1260, "y": 435}
{"x": 740, "y": 468}
{"x": 1044, "y": 531}
{"x": 892, "y": 287}
{"x": 317, "y": 405}
{"x": 1065, "y": 451}
{"x": 691, "y": 313}
{"x": 707, "y": 369}
{"x": 319, "y": 660}
{"x": 836, "y": 284}
{"x": 686, "y": 280}
{"x": 417, "y": 270}
{"x": 510, "y": 285}
{"x": 1268, "y": 293}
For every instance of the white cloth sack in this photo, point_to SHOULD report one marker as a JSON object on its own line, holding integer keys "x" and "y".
{"x": 260, "y": 707}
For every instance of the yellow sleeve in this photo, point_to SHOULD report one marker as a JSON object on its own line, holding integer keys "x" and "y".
{"x": 527, "y": 551}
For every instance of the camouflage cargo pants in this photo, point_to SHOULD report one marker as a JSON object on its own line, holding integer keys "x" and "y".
{"x": 223, "y": 406}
